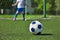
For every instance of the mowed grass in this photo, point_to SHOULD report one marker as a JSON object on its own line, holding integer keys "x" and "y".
{"x": 19, "y": 30}
{"x": 20, "y": 16}
{"x": 30, "y": 16}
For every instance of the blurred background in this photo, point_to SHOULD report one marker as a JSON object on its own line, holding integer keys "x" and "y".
{"x": 43, "y": 8}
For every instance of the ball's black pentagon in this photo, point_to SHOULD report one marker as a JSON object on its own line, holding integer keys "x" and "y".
{"x": 33, "y": 22}
{"x": 32, "y": 29}
{"x": 39, "y": 26}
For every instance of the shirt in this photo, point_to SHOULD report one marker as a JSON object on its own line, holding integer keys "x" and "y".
{"x": 20, "y": 4}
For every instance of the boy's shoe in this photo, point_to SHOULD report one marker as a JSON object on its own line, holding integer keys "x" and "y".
{"x": 24, "y": 19}
{"x": 14, "y": 19}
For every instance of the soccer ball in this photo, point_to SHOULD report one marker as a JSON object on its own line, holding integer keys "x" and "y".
{"x": 35, "y": 27}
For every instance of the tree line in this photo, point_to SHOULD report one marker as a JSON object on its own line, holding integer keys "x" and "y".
{"x": 51, "y": 5}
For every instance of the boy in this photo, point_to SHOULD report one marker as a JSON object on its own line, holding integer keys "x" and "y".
{"x": 20, "y": 8}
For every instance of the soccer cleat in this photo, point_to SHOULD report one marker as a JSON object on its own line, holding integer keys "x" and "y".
{"x": 24, "y": 19}
{"x": 14, "y": 19}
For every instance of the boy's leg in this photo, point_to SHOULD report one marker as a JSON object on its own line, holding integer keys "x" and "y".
{"x": 16, "y": 14}
{"x": 21, "y": 10}
{"x": 23, "y": 14}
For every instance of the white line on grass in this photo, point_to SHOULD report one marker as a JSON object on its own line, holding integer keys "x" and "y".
{"x": 30, "y": 18}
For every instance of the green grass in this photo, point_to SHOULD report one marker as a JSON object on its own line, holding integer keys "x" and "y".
{"x": 30, "y": 16}
{"x": 20, "y": 16}
{"x": 19, "y": 30}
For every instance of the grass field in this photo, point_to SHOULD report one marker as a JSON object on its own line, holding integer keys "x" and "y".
{"x": 19, "y": 30}
{"x": 30, "y": 16}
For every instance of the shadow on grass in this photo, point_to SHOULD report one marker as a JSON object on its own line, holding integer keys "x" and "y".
{"x": 44, "y": 34}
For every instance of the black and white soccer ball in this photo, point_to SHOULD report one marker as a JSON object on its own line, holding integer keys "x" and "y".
{"x": 35, "y": 27}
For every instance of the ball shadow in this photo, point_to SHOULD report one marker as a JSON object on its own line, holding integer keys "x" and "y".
{"x": 44, "y": 34}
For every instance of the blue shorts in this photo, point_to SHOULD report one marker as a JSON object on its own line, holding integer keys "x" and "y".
{"x": 20, "y": 9}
